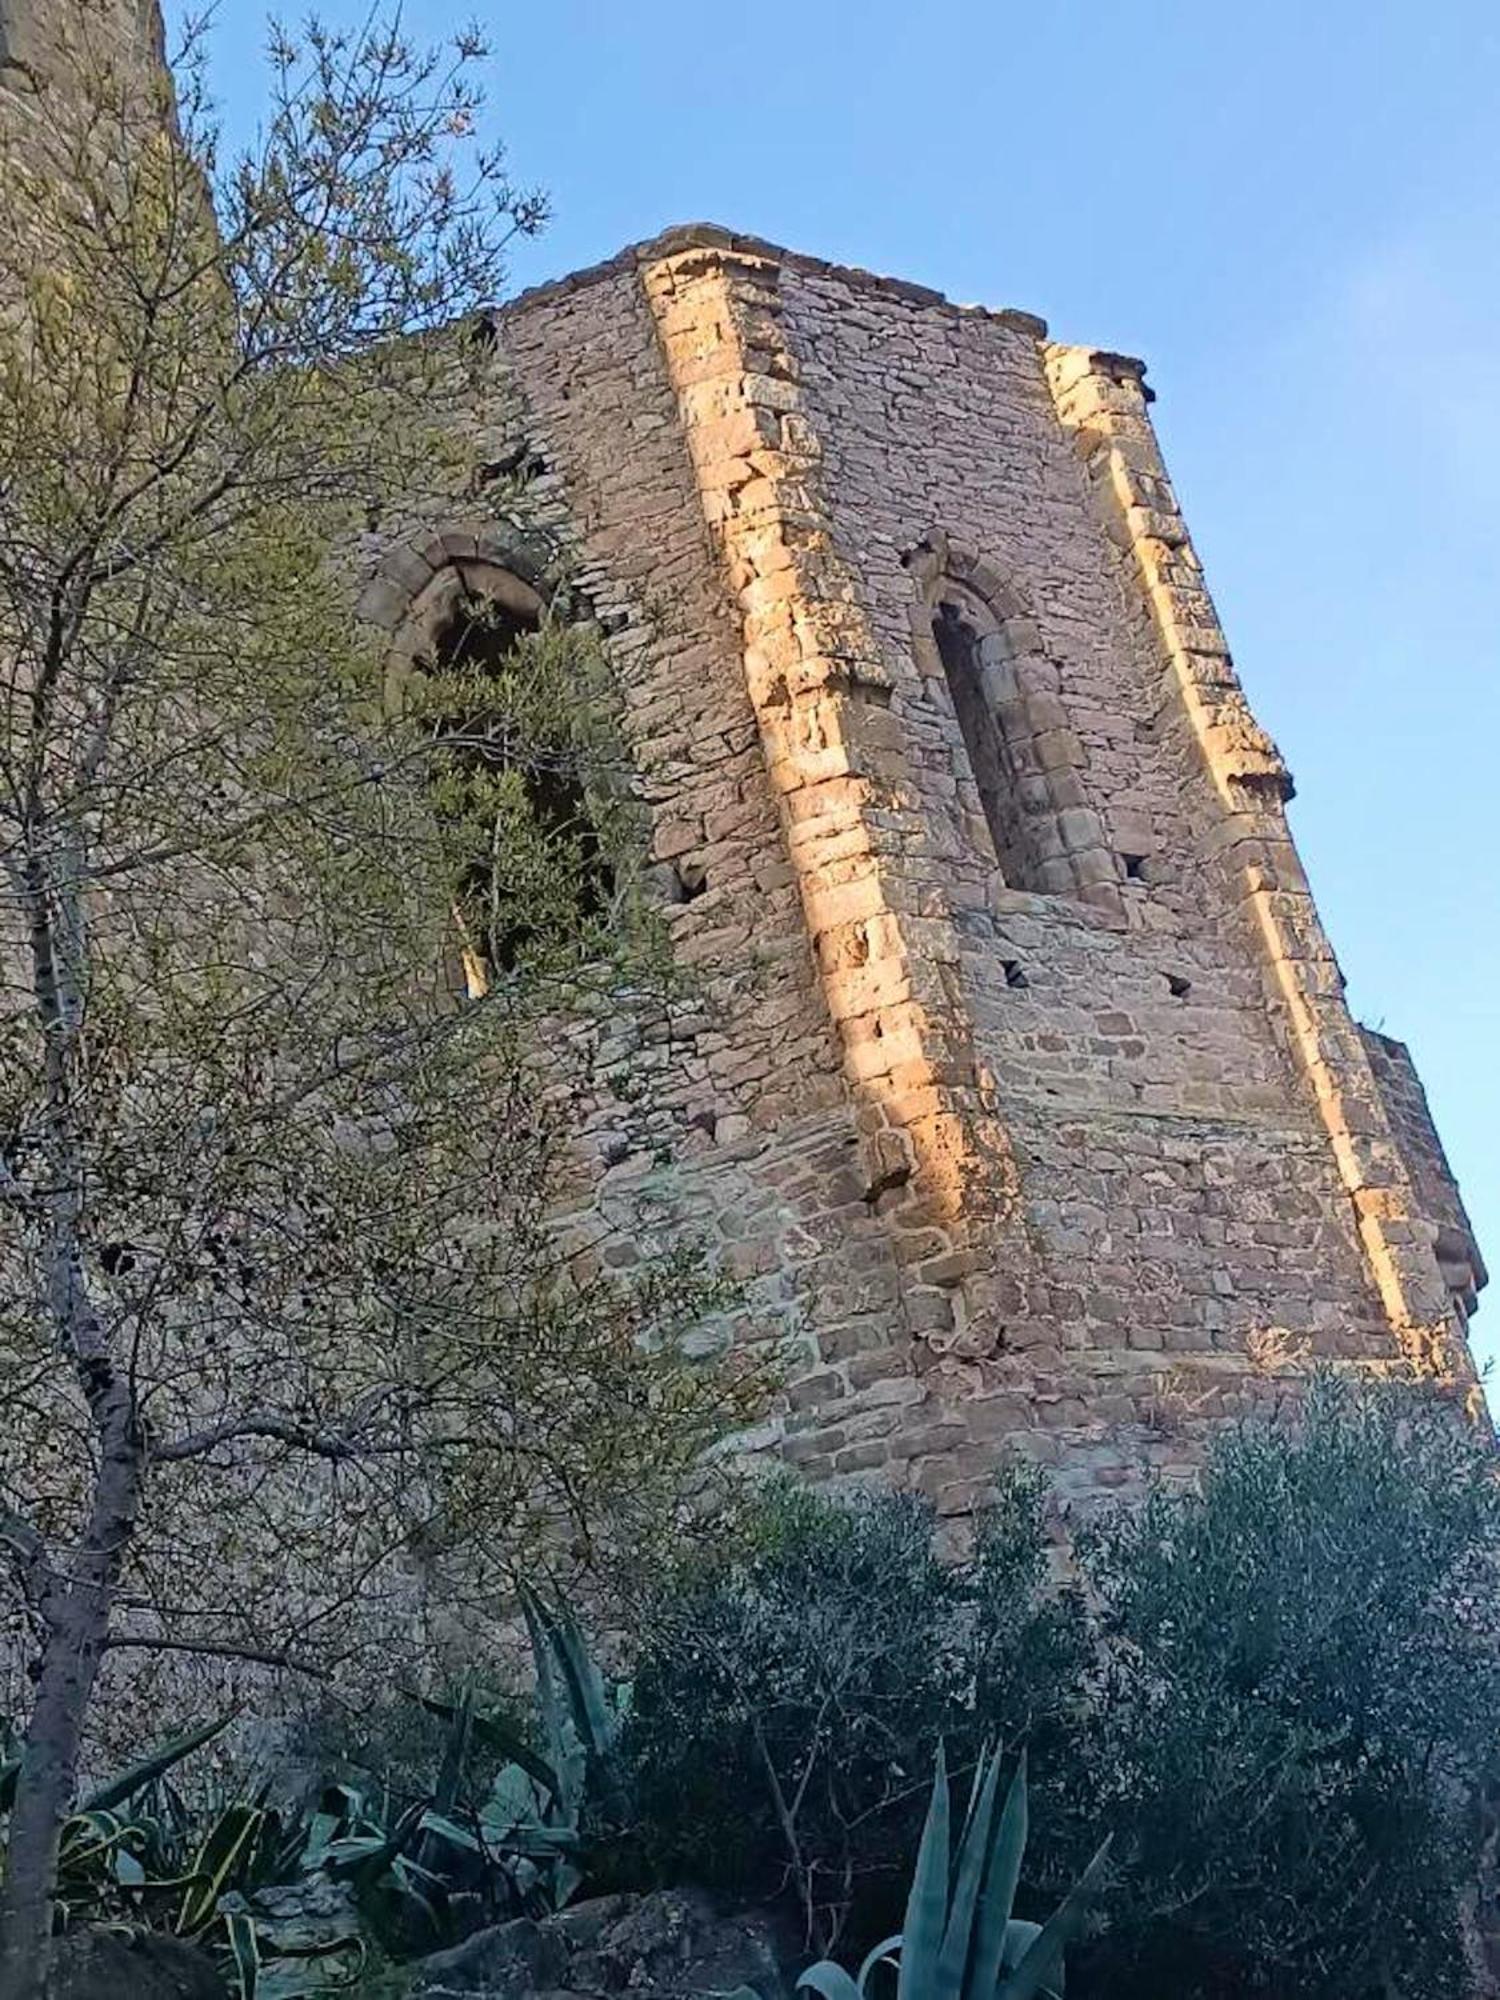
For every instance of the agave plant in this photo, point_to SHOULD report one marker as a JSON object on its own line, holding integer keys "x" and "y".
{"x": 426, "y": 1872}
{"x": 529, "y": 1825}
{"x": 280, "y": 1897}
{"x": 135, "y": 1856}
{"x": 960, "y": 1941}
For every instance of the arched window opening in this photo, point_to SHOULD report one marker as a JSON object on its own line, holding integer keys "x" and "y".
{"x": 529, "y": 862}
{"x": 1023, "y": 777}
{"x": 960, "y": 647}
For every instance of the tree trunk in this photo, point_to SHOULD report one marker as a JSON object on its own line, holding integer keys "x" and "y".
{"x": 77, "y": 1601}
{"x": 77, "y": 1627}
{"x": 44, "y": 1791}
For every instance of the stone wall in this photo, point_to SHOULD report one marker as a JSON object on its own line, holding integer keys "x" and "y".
{"x": 41, "y": 43}
{"x": 737, "y": 1129}
{"x": 1422, "y": 1153}
{"x": 1074, "y": 1168}
{"x": 1072, "y": 1157}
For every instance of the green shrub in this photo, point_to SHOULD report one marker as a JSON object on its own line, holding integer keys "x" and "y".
{"x": 1301, "y": 1679}
{"x": 794, "y": 1679}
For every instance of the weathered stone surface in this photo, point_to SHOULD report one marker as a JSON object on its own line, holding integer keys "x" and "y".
{"x": 99, "y": 1965}
{"x": 1017, "y": 1086}
{"x": 41, "y": 40}
{"x": 503, "y": 1963}
{"x": 672, "y": 1945}
{"x": 680, "y": 1943}
{"x": 306, "y": 1916}
{"x": 1039, "y": 1124}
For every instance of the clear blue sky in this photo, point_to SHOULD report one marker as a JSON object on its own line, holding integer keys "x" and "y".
{"x": 1292, "y": 210}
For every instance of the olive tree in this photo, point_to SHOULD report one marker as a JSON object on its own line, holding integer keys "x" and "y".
{"x": 1299, "y": 1675}
{"x": 289, "y": 1352}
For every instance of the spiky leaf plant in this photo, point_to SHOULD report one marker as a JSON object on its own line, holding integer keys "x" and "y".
{"x": 960, "y": 1940}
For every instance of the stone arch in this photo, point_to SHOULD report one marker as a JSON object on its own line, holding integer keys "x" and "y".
{"x": 463, "y": 598}
{"x": 976, "y": 637}
{"x": 461, "y": 587}
{"x": 417, "y": 584}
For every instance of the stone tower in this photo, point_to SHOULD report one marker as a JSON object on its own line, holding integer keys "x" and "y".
{"x": 1017, "y": 1085}
{"x": 1022, "y": 1091}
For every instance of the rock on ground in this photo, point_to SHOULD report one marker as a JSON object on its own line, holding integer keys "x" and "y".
{"x": 99, "y": 1965}
{"x": 673, "y": 1945}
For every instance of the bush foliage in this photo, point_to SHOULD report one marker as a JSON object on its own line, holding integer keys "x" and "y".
{"x": 1301, "y": 1673}
{"x": 795, "y": 1678}
{"x": 1276, "y": 1692}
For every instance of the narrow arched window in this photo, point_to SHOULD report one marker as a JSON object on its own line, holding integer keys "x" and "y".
{"x": 512, "y": 786}
{"x": 960, "y": 647}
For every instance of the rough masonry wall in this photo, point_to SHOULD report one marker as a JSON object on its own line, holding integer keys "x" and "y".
{"x": 1422, "y": 1154}
{"x": 743, "y": 1136}
{"x": 1101, "y": 402}
{"x": 42, "y": 45}
{"x": 725, "y": 1121}
{"x": 1180, "y": 1181}
{"x": 1071, "y": 1168}
{"x": 1183, "y": 1224}
{"x": 1071, "y": 1171}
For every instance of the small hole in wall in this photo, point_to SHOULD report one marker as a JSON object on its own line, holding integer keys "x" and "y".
{"x": 692, "y": 880}
{"x": 1178, "y": 987}
{"x": 521, "y": 463}
{"x": 1134, "y": 866}
{"x": 1015, "y": 972}
{"x": 886, "y": 1183}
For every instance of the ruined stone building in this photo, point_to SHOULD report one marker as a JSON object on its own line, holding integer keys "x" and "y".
{"x": 1019, "y": 1087}
{"x": 1024, "y": 1087}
